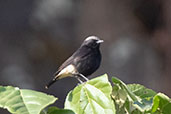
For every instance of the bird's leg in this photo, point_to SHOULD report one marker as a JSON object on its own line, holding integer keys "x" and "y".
{"x": 78, "y": 78}
{"x": 81, "y": 75}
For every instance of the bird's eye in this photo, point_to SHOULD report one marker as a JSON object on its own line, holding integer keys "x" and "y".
{"x": 94, "y": 44}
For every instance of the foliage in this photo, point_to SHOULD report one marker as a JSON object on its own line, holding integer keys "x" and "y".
{"x": 22, "y": 101}
{"x": 92, "y": 97}
{"x": 96, "y": 96}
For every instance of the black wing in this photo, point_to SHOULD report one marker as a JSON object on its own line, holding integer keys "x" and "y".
{"x": 75, "y": 59}
{"x": 79, "y": 54}
{"x": 66, "y": 63}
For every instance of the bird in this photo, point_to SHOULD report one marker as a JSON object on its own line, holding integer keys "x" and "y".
{"x": 82, "y": 63}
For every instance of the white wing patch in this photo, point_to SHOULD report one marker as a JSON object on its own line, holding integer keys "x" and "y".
{"x": 67, "y": 71}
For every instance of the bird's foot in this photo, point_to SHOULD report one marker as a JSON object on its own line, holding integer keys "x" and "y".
{"x": 85, "y": 78}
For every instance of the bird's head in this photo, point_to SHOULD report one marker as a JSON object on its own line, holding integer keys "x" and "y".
{"x": 92, "y": 42}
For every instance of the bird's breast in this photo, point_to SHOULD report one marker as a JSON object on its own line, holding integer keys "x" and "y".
{"x": 89, "y": 64}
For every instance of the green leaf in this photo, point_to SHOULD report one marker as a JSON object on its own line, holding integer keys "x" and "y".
{"x": 55, "y": 110}
{"x": 22, "y": 101}
{"x": 92, "y": 97}
{"x": 123, "y": 86}
{"x": 141, "y": 91}
{"x": 146, "y": 96}
{"x": 144, "y": 105}
{"x": 122, "y": 97}
{"x": 119, "y": 95}
{"x": 131, "y": 98}
{"x": 162, "y": 104}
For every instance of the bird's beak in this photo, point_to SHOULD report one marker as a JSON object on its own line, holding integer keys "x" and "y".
{"x": 100, "y": 41}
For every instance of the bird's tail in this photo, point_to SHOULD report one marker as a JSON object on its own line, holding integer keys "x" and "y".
{"x": 52, "y": 81}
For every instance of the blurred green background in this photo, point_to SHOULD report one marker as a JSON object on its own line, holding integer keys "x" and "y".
{"x": 36, "y": 36}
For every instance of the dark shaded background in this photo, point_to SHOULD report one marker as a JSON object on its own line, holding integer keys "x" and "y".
{"x": 36, "y": 36}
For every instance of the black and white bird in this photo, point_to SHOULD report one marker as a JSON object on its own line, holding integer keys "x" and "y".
{"x": 84, "y": 61}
